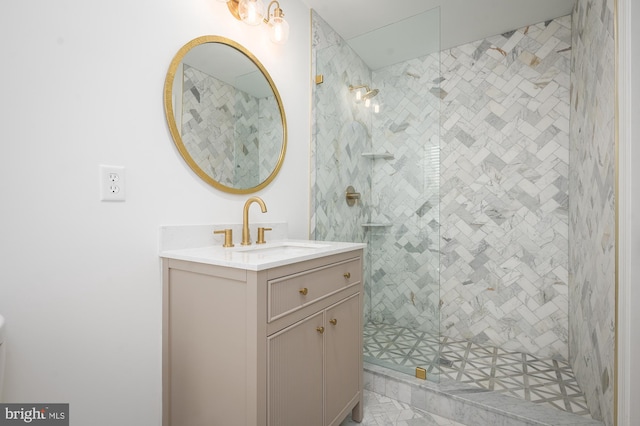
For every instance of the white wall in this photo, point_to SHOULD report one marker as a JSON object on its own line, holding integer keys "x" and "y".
{"x": 81, "y": 85}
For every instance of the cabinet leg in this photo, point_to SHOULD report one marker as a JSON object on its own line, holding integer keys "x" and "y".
{"x": 358, "y": 412}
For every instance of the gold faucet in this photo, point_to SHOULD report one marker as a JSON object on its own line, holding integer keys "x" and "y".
{"x": 246, "y": 237}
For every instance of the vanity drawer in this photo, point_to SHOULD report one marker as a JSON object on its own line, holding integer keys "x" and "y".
{"x": 292, "y": 292}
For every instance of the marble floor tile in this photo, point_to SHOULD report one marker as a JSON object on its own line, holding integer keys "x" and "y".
{"x": 382, "y": 411}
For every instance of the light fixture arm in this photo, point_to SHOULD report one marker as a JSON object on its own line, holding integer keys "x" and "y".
{"x": 233, "y": 8}
{"x": 232, "y": 5}
{"x": 277, "y": 12}
{"x": 252, "y": 12}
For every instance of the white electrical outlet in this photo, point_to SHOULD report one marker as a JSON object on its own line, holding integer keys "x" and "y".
{"x": 112, "y": 183}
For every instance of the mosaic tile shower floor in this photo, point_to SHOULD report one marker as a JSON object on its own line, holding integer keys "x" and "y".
{"x": 541, "y": 381}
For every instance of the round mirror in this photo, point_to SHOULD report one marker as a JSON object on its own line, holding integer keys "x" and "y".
{"x": 225, "y": 115}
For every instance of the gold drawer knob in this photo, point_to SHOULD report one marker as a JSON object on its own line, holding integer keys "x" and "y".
{"x": 304, "y": 291}
{"x": 333, "y": 321}
{"x": 347, "y": 275}
{"x": 320, "y": 330}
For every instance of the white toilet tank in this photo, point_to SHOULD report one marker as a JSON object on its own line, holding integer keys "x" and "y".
{"x": 3, "y": 349}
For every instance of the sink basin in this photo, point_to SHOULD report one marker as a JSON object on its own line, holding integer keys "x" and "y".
{"x": 282, "y": 247}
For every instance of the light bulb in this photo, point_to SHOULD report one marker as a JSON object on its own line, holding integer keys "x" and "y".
{"x": 367, "y": 103}
{"x": 251, "y": 11}
{"x": 358, "y": 95}
{"x": 376, "y": 108}
{"x": 279, "y": 30}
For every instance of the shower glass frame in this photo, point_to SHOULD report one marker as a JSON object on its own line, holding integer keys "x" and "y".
{"x": 392, "y": 159}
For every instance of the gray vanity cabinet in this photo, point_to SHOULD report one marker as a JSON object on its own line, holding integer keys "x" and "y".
{"x": 277, "y": 347}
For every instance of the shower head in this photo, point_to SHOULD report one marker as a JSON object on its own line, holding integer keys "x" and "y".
{"x": 370, "y": 93}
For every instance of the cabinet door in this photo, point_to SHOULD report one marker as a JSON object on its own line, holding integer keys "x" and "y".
{"x": 295, "y": 374}
{"x": 343, "y": 350}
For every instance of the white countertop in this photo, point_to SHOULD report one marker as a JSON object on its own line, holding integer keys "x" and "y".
{"x": 258, "y": 257}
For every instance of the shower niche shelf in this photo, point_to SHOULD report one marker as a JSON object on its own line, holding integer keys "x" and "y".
{"x": 378, "y": 155}
{"x": 376, "y": 225}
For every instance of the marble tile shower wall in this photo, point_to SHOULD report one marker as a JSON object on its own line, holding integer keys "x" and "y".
{"x": 504, "y": 189}
{"x": 341, "y": 132}
{"x": 269, "y": 135}
{"x": 405, "y": 195}
{"x": 509, "y": 105}
{"x": 592, "y": 205}
{"x": 238, "y": 122}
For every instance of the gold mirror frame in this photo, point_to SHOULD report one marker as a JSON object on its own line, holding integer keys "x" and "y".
{"x": 175, "y": 132}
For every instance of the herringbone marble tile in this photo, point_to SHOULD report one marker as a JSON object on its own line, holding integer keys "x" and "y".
{"x": 504, "y": 196}
{"x": 592, "y": 205}
{"x": 230, "y": 134}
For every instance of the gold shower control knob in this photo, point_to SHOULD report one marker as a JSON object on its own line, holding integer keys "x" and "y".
{"x": 333, "y": 321}
{"x": 347, "y": 275}
{"x": 304, "y": 291}
{"x": 320, "y": 330}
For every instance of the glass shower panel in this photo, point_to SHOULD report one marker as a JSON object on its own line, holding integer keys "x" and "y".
{"x": 388, "y": 150}
{"x": 341, "y": 133}
{"x": 404, "y": 233}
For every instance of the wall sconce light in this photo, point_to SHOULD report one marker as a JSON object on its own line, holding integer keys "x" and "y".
{"x": 252, "y": 12}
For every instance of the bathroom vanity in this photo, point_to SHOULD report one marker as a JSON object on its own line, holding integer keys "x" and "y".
{"x": 268, "y": 334}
